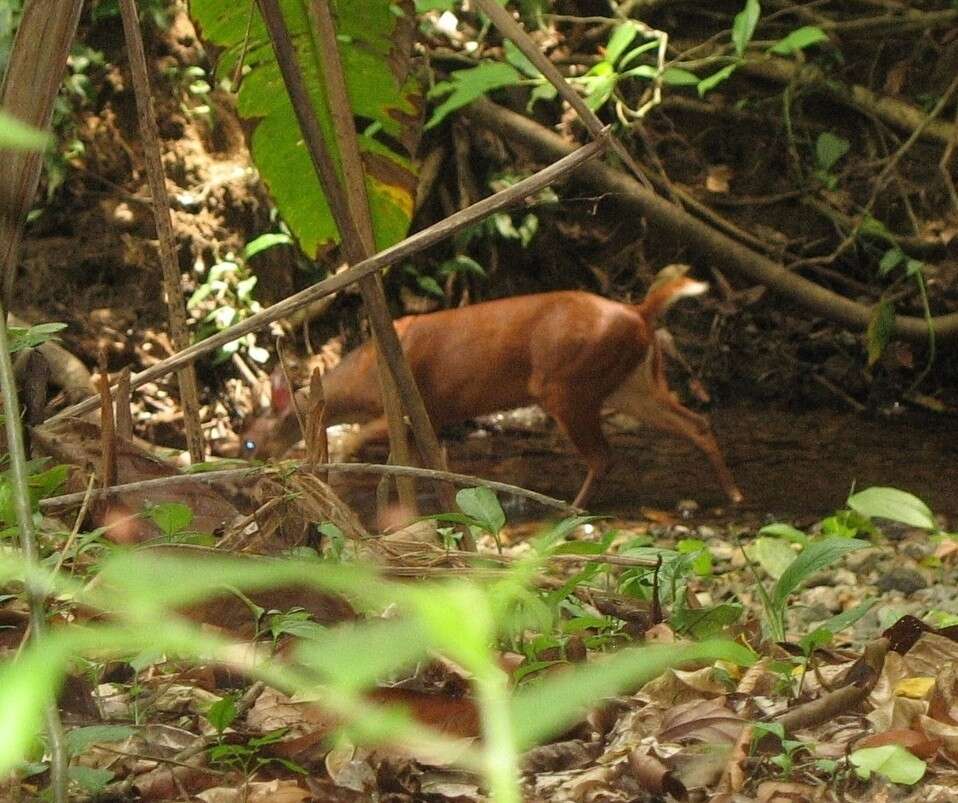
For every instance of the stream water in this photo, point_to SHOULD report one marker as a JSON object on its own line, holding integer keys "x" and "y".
{"x": 789, "y": 465}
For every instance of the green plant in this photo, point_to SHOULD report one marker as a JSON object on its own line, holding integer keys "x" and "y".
{"x": 138, "y": 591}
{"x": 881, "y": 327}
{"x": 829, "y": 149}
{"x": 248, "y": 758}
{"x": 481, "y": 512}
{"x": 223, "y": 298}
{"x": 156, "y": 12}
{"x": 85, "y": 67}
{"x": 893, "y": 761}
{"x": 432, "y": 283}
{"x": 174, "y": 520}
{"x": 375, "y": 46}
{"x": 193, "y": 84}
{"x": 792, "y": 750}
{"x": 16, "y": 135}
{"x": 840, "y": 535}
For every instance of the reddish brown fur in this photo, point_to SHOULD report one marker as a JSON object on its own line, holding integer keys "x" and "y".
{"x": 570, "y": 352}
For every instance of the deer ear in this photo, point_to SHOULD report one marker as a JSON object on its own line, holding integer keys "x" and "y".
{"x": 281, "y": 397}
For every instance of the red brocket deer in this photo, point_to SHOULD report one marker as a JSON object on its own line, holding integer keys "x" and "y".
{"x": 571, "y": 352}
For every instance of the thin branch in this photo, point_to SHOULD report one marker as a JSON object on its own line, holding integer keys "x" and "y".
{"x": 179, "y": 334}
{"x": 255, "y": 472}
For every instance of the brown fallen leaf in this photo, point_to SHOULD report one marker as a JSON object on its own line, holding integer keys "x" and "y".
{"x": 654, "y": 776}
{"x": 709, "y": 721}
{"x": 78, "y": 443}
{"x": 915, "y": 742}
{"x": 784, "y": 792}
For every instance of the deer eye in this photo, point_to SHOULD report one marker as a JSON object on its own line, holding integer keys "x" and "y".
{"x": 249, "y": 446}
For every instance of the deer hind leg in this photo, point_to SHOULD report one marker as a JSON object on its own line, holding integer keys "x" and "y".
{"x": 645, "y": 396}
{"x": 582, "y": 426}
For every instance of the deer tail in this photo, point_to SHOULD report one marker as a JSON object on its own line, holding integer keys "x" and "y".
{"x": 671, "y": 285}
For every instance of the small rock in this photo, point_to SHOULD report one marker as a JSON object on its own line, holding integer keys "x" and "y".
{"x": 917, "y": 550}
{"x": 705, "y": 532}
{"x": 822, "y": 603}
{"x": 864, "y": 560}
{"x": 687, "y": 508}
{"x": 843, "y": 577}
{"x": 902, "y": 579}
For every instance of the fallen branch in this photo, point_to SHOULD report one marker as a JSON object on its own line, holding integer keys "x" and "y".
{"x": 254, "y": 472}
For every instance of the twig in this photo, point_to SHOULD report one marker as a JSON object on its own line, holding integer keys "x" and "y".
{"x": 77, "y": 523}
{"x": 179, "y": 334}
{"x": 383, "y": 259}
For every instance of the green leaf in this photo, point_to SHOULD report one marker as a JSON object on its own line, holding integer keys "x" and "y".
{"x": 552, "y": 539}
{"x": 773, "y": 554}
{"x": 881, "y": 328}
{"x": 703, "y": 623}
{"x": 829, "y": 149}
{"x": 786, "y": 531}
{"x": 744, "y": 25}
{"x": 701, "y": 558}
{"x": 892, "y": 760}
{"x": 709, "y": 83}
{"x": 171, "y": 517}
{"x": 891, "y": 503}
{"x": 550, "y": 706}
{"x": 222, "y": 713}
{"x": 354, "y": 657}
{"x": 815, "y": 557}
{"x": 15, "y": 135}
{"x": 799, "y": 39}
{"x": 634, "y": 54}
{"x": 375, "y": 43}
{"x": 621, "y": 38}
{"x": 544, "y": 91}
{"x": 79, "y": 740}
{"x": 430, "y": 286}
{"x": 914, "y": 267}
{"x": 599, "y": 89}
{"x": 642, "y": 71}
{"x": 90, "y": 779}
{"x": 27, "y": 685}
{"x": 435, "y": 5}
{"x": 890, "y": 260}
{"x": 873, "y": 227}
{"x": 674, "y": 76}
{"x": 520, "y": 61}
{"x": 264, "y": 241}
{"x": 824, "y": 633}
{"x": 465, "y": 86}
{"x": 461, "y": 264}
{"x": 37, "y": 335}
{"x": 483, "y": 506}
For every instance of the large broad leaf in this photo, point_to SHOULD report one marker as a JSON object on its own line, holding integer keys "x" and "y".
{"x": 375, "y": 41}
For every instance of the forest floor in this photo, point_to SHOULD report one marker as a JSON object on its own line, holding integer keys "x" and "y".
{"x": 803, "y": 420}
